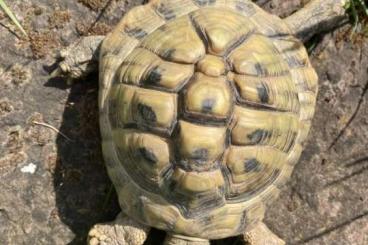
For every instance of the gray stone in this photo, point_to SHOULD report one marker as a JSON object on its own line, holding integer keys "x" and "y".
{"x": 325, "y": 201}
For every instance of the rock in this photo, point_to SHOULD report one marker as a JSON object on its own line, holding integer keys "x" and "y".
{"x": 325, "y": 201}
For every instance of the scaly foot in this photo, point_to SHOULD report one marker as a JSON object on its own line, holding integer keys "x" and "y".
{"x": 122, "y": 231}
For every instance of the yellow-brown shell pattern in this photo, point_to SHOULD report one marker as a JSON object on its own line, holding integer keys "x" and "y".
{"x": 205, "y": 105}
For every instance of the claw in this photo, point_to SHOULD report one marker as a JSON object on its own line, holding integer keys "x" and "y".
{"x": 56, "y": 73}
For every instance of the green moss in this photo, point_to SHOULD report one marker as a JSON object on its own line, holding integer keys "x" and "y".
{"x": 358, "y": 13}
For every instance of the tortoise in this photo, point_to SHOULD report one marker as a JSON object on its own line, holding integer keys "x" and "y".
{"x": 204, "y": 109}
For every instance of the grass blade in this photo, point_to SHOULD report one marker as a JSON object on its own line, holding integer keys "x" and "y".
{"x": 363, "y": 6}
{"x": 12, "y": 16}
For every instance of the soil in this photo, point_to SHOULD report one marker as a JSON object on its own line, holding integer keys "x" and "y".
{"x": 54, "y": 185}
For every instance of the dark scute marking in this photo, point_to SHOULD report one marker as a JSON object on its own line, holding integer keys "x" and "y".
{"x": 260, "y": 70}
{"x": 279, "y": 35}
{"x": 200, "y": 154}
{"x": 263, "y": 93}
{"x": 205, "y": 2}
{"x": 147, "y": 113}
{"x": 257, "y": 135}
{"x": 172, "y": 185}
{"x": 168, "y": 54}
{"x": 154, "y": 76}
{"x": 113, "y": 107}
{"x": 243, "y": 222}
{"x": 294, "y": 62}
{"x": 246, "y": 8}
{"x": 168, "y": 14}
{"x": 238, "y": 42}
{"x": 148, "y": 155}
{"x": 208, "y": 104}
{"x": 135, "y": 32}
{"x": 252, "y": 165}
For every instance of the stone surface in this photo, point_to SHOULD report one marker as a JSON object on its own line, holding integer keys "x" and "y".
{"x": 325, "y": 201}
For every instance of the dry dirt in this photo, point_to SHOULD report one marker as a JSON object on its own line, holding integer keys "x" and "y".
{"x": 54, "y": 187}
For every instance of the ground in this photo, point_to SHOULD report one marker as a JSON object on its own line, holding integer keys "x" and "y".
{"x": 54, "y": 186}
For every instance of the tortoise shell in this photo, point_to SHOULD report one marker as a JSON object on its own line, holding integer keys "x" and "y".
{"x": 204, "y": 107}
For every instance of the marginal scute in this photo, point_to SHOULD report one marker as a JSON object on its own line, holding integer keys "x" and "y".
{"x": 179, "y": 42}
{"x": 257, "y": 127}
{"x": 221, "y": 35}
{"x": 172, "y": 9}
{"x": 293, "y": 51}
{"x": 224, "y": 219}
{"x": 159, "y": 213}
{"x": 276, "y": 93}
{"x": 244, "y": 7}
{"x": 142, "y": 67}
{"x": 306, "y": 79}
{"x": 308, "y": 100}
{"x": 205, "y": 2}
{"x": 268, "y": 24}
{"x": 140, "y": 22}
{"x": 146, "y": 108}
{"x": 209, "y": 97}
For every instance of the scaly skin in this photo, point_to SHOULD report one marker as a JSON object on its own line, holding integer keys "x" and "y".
{"x": 317, "y": 16}
{"x": 261, "y": 235}
{"x": 80, "y": 58}
{"x": 122, "y": 231}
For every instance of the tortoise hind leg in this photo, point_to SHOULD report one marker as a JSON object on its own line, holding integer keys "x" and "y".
{"x": 183, "y": 240}
{"x": 261, "y": 235}
{"x": 122, "y": 231}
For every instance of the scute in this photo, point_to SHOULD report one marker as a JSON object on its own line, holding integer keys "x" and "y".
{"x": 205, "y": 106}
{"x": 258, "y": 127}
{"x": 276, "y": 93}
{"x": 253, "y": 169}
{"x": 172, "y": 9}
{"x": 211, "y": 65}
{"x": 143, "y": 67}
{"x": 145, "y": 109}
{"x": 197, "y": 182}
{"x": 258, "y": 56}
{"x": 221, "y": 36}
{"x": 200, "y": 146}
{"x": 146, "y": 156}
{"x": 210, "y": 97}
{"x": 179, "y": 42}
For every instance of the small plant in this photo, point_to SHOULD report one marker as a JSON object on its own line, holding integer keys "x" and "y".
{"x": 358, "y": 13}
{"x": 12, "y": 16}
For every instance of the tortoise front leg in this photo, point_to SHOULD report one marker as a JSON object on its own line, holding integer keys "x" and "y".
{"x": 80, "y": 58}
{"x": 317, "y": 16}
{"x": 122, "y": 231}
{"x": 261, "y": 235}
